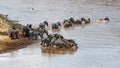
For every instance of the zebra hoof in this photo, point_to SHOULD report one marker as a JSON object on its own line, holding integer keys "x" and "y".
{"x": 74, "y": 47}
{"x": 54, "y": 46}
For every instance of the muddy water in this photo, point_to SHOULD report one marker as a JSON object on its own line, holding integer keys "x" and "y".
{"x": 99, "y": 43}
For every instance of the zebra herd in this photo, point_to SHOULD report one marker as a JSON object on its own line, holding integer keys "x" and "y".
{"x": 50, "y": 39}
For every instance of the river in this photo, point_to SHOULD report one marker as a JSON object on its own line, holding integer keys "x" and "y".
{"x": 99, "y": 43}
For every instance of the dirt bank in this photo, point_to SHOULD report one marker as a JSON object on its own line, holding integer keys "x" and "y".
{"x": 6, "y": 44}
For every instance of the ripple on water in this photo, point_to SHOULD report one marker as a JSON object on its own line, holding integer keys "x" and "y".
{"x": 98, "y": 42}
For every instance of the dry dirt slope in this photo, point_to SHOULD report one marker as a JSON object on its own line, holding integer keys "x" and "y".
{"x": 6, "y": 44}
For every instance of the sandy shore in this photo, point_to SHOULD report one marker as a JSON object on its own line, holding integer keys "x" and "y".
{"x": 7, "y": 44}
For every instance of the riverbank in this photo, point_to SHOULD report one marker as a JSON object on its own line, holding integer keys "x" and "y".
{"x": 8, "y": 45}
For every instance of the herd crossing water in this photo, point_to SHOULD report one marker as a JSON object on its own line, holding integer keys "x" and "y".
{"x": 99, "y": 43}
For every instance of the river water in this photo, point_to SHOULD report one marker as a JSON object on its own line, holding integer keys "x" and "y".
{"x": 99, "y": 43}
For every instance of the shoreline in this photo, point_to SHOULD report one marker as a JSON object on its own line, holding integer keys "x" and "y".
{"x": 16, "y": 45}
{"x": 7, "y": 44}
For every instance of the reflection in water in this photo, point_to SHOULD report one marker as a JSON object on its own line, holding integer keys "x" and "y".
{"x": 99, "y": 43}
{"x": 56, "y": 30}
{"x": 57, "y": 50}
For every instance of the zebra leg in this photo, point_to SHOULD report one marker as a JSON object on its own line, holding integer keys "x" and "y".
{"x": 16, "y": 34}
{"x": 41, "y": 35}
{"x": 12, "y": 35}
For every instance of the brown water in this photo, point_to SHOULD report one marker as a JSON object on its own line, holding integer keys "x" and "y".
{"x": 99, "y": 43}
